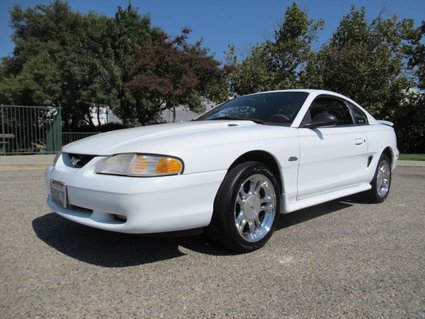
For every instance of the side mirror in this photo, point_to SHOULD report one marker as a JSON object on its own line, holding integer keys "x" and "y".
{"x": 321, "y": 120}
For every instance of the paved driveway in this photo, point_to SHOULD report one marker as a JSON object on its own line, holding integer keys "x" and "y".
{"x": 343, "y": 259}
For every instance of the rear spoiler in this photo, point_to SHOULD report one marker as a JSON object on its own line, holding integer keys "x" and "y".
{"x": 388, "y": 123}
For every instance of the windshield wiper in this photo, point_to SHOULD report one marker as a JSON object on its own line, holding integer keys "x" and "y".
{"x": 258, "y": 121}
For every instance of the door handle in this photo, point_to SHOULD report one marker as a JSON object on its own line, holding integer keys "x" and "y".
{"x": 360, "y": 141}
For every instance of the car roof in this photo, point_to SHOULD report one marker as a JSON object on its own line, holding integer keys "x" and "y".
{"x": 310, "y": 91}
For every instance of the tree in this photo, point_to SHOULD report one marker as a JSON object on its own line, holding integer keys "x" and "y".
{"x": 278, "y": 63}
{"x": 75, "y": 61}
{"x": 38, "y": 83}
{"x": 253, "y": 74}
{"x": 365, "y": 62}
{"x": 48, "y": 58}
{"x": 409, "y": 117}
{"x": 170, "y": 71}
{"x": 416, "y": 54}
{"x": 83, "y": 62}
{"x": 127, "y": 30}
{"x": 31, "y": 75}
{"x": 292, "y": 47}
{"x": 368, "y": 62}
{"x": 409, "y": 120}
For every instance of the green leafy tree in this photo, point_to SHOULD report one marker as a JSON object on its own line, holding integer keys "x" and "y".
{"x": 409, "y": 120}
{"x": 291, "y": 49}
{"x": 409, "y": 117}
{"x": 127, "y": 30}
{"x": 79, "y": 62}
{"x": 365, "y": 62}
{"x": 278, "y": 63}
{"x": 38, "y": 83}
{"x": 416, "y": 54}
{"x": 92, "y": 73}
{"x": 46, "y": 39}
{"x": 30, "y": 75}
{"x": 253, "y": 74}
{"x": 368, "y": 62}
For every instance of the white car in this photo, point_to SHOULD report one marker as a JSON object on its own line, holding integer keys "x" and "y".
{"x": 232, "y": 171}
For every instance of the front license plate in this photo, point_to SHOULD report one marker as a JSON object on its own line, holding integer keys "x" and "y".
{"x": 58, "y": 193}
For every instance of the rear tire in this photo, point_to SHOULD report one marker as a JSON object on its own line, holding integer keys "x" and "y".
{"x": 381, "y": 182}
{"x": 246, "y": 208}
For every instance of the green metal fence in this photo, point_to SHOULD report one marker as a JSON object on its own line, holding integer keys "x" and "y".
{"x": 34, "y": 130}
{"x": 30, "y": 129}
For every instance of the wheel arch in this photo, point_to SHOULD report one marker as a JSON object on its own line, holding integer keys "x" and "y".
{"x": 265, "y": 158}
{"x": 390, "y": 154}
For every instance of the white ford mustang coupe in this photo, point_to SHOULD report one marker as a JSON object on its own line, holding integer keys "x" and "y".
{"x": 232, "y": 171}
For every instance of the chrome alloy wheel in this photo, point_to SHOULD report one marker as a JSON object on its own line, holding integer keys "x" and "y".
{"x": 383, "y": 179}
{"x": 255, "y": 208}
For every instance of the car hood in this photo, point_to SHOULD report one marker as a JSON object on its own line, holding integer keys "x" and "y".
{"x": 169, "y": 138}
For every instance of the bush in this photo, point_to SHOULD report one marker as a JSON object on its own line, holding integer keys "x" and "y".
{"x": 409, "y": 122}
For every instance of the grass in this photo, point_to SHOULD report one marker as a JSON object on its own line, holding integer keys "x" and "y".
{"x": 412, "y": 157}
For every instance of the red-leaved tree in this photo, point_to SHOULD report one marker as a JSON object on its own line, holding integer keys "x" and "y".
{"x": 168, "y": 72}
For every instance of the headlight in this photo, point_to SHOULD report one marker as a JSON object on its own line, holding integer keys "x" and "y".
{"x": 140, "y": 165}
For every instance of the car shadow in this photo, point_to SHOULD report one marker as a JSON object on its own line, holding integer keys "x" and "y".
{"x": 110, "y": 249}
{"x": 303, "y": 215}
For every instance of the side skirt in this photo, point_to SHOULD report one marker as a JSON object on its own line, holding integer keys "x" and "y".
{"x": 287, "y": 207}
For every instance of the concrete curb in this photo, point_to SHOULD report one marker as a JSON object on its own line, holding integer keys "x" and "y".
{"x": 40, "y": 162}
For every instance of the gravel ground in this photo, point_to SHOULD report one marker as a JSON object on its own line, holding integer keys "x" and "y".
{"x": 343, "y": 259}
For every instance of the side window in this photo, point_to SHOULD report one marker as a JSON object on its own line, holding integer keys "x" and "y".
{"x": 331, "y": 106}
{"x": 359, "y": 117}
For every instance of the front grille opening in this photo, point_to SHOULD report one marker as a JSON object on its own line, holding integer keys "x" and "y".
{"x": 77, "y": 160}
{"x": 100, "y": 217}
{"x": 80, "y": 211}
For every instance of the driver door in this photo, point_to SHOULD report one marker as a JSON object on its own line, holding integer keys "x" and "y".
{"x": 331, "y": 158}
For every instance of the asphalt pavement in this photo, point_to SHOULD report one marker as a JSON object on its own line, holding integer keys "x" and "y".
{"x": 343, "y": 259}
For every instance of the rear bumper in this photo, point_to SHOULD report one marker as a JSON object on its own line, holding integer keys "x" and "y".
{"x": 143, "y": 205}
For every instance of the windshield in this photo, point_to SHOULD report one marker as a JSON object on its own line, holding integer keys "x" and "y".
{"x": 275, "y": 108}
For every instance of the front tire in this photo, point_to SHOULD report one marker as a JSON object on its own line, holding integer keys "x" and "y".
{"x": 246, "y": 208}
{"x": 381, "y": 182}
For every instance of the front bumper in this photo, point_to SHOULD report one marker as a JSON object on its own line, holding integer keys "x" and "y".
{"x": 133, "y": 204}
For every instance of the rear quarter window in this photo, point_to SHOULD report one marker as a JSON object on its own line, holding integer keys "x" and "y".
{"x": 359, "y": 116}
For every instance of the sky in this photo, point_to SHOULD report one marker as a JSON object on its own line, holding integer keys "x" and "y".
{"x": 219, "y": 23}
